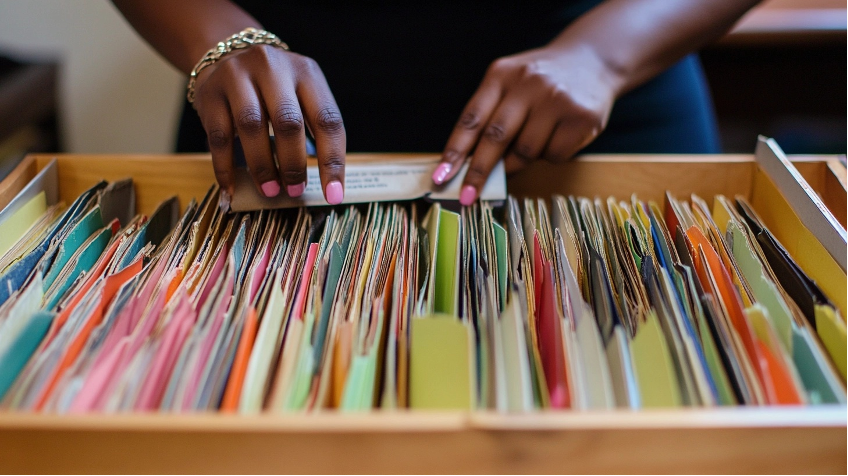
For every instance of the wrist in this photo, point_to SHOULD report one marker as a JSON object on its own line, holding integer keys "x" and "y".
{"x": 208, "y": 40}
{"x": 244, "y": 39}
{"x": 592, "y": 62}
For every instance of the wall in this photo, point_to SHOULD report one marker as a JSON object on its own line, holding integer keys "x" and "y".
{"x": 116, "y": 94}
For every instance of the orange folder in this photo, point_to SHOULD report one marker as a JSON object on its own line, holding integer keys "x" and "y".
{"x": 248, "y": 336}
{"x": 773, "y": 376}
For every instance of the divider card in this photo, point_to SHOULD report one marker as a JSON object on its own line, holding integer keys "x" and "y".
{"x": 572, "y": 303}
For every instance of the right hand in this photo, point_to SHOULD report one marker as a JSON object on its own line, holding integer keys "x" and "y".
{"x": 247, "y": 89}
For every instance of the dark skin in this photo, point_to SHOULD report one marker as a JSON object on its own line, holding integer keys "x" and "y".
{"x": 542, "y": 104}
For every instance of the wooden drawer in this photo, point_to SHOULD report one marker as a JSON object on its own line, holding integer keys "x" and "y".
{"x": 738, "y": 440}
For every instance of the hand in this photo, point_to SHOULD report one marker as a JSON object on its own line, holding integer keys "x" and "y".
{"x": 541, "y": 104}
{"x": 247, "y": 89}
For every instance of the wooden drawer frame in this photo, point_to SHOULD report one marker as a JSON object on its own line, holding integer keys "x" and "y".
{"x": 721, "y": 440}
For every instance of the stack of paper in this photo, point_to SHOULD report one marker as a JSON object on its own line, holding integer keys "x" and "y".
{"x": 562, "y": 303}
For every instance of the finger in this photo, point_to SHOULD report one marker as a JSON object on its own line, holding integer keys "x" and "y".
{"x": 532, "y": 140}
{"x": 252, "y": 125}
{"x": 217, "y": 120}
{"x": 325, "y": 122}
{"x": 498, "y": 133}
{"x": 565, "y": 141}
{"x": 468, "y": 129}
{"x": 289, "y": 132}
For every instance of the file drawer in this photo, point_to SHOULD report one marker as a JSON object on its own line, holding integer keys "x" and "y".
{"x": 739, "y": 440}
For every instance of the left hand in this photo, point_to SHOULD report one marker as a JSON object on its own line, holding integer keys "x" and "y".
{"x": 545, "y": 104}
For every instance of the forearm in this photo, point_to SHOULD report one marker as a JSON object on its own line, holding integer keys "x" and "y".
{"x": 184, "y": 30}
{"x": 637, "y": 39}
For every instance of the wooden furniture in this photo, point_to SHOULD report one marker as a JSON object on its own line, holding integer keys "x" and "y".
{"x": 717, "y": 440}
{"x": 781, "y": 72}
{"x": 828, "y": 181}
{"x": 28, "y": 110}
{"x": 790, "y": 21}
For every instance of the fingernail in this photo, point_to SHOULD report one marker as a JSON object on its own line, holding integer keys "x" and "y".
{"x": 224, "y": 201}
{"x": 441, "y": 173}
{"x": 271, "y": 188}
{"x": 295, "y": 191}
{"x": 467, "y": 195}
{"x": 335, "y": 192}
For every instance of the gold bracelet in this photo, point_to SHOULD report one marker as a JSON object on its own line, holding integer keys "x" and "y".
{"x": 243, "y": 39}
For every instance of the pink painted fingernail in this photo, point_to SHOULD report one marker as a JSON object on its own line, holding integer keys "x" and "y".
{"x": 467, "y": 195}
{"x": 271, "y": 188}
{"x": 335, "y": 192}
{"x": 441, "y": 173}
{"x": 295, "y": 191}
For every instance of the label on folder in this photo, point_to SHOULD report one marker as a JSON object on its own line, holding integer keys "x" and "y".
{"x": 370, "y": 181}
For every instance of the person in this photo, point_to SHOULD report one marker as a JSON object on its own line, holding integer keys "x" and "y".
{"x": 558, "y": 78}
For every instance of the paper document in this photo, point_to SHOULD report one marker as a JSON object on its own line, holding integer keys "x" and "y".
{"x": 403, "y": 179}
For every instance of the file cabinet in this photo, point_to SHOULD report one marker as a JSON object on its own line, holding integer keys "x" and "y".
{"x": 715, "y": 440}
